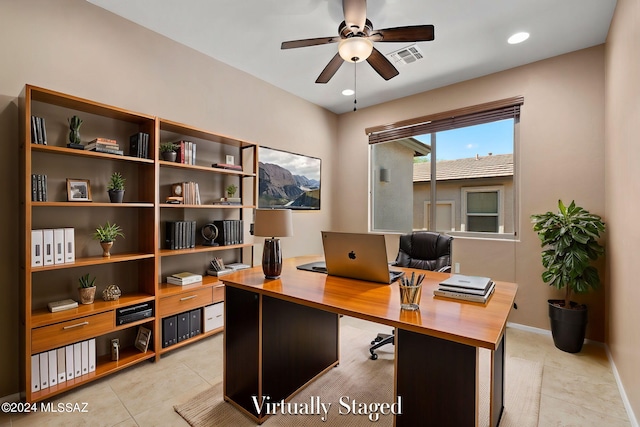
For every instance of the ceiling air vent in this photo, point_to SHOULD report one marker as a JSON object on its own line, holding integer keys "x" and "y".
{"x": 406, "y": 55}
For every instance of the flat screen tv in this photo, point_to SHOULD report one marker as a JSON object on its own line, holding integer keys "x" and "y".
{"x": 288, "y": 180}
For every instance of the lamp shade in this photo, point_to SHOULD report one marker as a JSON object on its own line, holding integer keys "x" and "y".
{"x": 273, "y": 223}
{"x": 355, "y": 49}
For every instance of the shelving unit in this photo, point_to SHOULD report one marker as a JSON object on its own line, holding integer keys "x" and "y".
{"x": 139, "y": 263}
{"x": 211, "y": 148}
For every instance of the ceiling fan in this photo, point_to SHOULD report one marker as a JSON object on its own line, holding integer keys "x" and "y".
{"x": 356, "y": 36}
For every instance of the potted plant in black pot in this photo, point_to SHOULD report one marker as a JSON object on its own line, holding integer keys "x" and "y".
{"x": 115, "y": 188}
{"x": 168, "y": 151}
{"x": 570, "y": 241}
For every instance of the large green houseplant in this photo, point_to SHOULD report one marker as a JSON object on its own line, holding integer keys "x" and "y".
{"x": 569, "y": 239}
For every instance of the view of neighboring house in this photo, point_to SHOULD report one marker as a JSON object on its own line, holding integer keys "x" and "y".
{"x": 473, "y": 194}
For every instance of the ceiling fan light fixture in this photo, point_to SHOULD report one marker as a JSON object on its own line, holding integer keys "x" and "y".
{"x": 355, "y": 49}
{"x": 518, "y": 38}
{"x": 348, "y": 92}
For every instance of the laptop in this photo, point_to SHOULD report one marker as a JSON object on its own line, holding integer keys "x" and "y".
{"x": 357, "y": 256}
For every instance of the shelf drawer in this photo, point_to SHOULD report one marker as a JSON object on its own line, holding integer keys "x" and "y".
{"x": 218, "y": 293}
{"x": 80, "y": 329}
{"x": 186, "y": 301}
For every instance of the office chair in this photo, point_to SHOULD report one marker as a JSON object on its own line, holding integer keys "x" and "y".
{"x": 425, "y": 250}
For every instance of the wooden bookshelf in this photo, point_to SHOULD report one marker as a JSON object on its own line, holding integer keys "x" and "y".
{"x": 139, "y": 263}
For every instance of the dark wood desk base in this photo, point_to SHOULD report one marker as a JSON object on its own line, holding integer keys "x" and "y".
{"x": 273, "y": 348}
{"x": 437, "y": 381}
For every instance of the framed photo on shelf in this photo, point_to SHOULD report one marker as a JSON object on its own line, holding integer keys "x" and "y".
{"x": 143, "y": 338}
{"x": 298, "y": 180}
{"x": 78, "y": 190}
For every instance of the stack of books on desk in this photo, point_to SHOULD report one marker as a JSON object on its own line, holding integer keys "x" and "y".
{"x": 184, "y": 278}
{"x": 467, "y": 288}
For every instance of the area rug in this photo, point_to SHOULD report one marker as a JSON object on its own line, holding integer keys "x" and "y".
{"x": 364, "y": 380}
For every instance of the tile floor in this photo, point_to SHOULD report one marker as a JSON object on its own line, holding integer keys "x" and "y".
{"x": 577, "y": 389}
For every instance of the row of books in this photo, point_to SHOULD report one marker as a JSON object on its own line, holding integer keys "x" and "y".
{"x": 52, "y": 246}
{"x": 191, "y": 193}
{"x": 139, "y": 145}
{"x": 54, "y": 367}
{"x": 467, "y": 288}
{"x": 38, "y": 188}
{"x": 186, "y": 152}
{"x": 180, "y": 234}
{"x": 184, "y": 278}
{"x": 230, "y": 231}
{"x": 38, "y": 131}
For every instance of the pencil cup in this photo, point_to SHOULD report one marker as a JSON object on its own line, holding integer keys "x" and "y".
{"x": 410, "y": 297}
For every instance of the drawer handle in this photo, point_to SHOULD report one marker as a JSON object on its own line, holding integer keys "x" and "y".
{"x": 188, "y": 298}
{"x": 76, "y": 325}
{"x": 219, "y": 286}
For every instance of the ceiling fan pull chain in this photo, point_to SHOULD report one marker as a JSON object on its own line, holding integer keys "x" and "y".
{"x": 355, "y": 87}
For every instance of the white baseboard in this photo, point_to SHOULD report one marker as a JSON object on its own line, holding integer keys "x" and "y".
{"x": 625, "y": 400}
{"x": 528, "y": 328}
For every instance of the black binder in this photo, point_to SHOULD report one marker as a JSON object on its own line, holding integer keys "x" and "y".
{"x": 169, "y": 331}
{"x": 183, "y": 326}
{"x": 195, "y": 322}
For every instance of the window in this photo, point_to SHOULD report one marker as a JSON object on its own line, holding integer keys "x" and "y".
{"x": 482, "y": 209}
{"x": 450, "y": 172}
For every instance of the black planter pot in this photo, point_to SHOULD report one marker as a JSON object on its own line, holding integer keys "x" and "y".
{"x": 116, "y": 196}
{"x": 169, "y": 156}
{"x": 568, "y": 325}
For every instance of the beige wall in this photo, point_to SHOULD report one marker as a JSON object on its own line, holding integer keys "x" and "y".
{"x": 622, "y": 185}
{"x": 559, "y": 156}
{"x": 74, "y": 47}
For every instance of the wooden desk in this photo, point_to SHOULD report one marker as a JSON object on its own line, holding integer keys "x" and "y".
{"x": 281, "y": 334}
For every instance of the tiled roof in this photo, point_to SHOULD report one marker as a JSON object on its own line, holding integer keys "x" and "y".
{"x": 474, "y": 167}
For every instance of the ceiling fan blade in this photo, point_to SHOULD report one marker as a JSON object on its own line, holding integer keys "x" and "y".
{"x": 355, "y": 14}
{"x": 330, "y": 69}
{"x": 309, "y": 42}
{"x": 382, "y": 65}
{"x": 415, "y": 33}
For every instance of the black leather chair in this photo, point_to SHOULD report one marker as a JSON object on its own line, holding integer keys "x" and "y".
{"x": 425, "y": 250}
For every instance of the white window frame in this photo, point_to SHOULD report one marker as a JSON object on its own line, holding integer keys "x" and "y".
{"x": 485, "y": 189}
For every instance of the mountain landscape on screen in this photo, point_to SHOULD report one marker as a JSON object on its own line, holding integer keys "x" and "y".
{"x": 279, "y": 187}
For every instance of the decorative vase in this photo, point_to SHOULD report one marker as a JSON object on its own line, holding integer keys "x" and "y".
{"x": 170, "y": 156}
{"x": 116, "y": 196}
{"x": 106, "y": 246}
{"x": 87, "y": 295}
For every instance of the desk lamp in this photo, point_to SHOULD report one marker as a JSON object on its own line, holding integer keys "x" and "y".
{"x": 272, "y": 223}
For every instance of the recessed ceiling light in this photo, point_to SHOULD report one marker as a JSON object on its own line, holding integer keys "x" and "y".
{"x": 348, "y": 92}
{"x": 518, "y": 38}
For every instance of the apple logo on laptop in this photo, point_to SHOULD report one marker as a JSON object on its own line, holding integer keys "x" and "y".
{"x": 352, "y": 255}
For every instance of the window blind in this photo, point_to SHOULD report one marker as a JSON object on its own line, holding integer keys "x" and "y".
{"x": 462, "y": 117}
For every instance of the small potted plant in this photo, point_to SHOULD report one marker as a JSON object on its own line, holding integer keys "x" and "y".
{"x": 570, "y": 241}
{"x": 115, "y": 187}
{"x": 168, "y": 151}
{"x": 74, "y": 133}
{"x": 87, "y": 289}
{"x": 231, "y": 190}
{"x": 106, "y": 234}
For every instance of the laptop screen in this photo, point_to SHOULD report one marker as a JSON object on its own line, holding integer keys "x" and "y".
{"x": 357, "y": 255}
